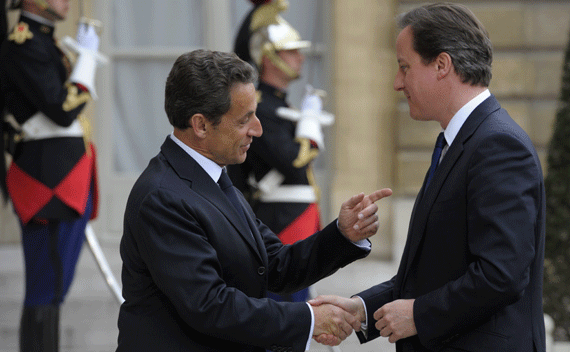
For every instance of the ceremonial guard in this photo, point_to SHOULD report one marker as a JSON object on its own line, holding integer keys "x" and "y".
{"x": 277, "y": 177}
{"x": 52, "y": 178}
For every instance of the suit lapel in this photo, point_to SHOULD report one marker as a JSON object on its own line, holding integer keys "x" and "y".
{"x": 257, "y": 235}
{"x": 201, "y": 183}
{"x": 425, "y": 200}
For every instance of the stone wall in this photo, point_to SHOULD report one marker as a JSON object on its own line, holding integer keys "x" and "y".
{"x": 364, "y": 104}
{"x": 529, "y": 38}
{"x": 378, "y": 145}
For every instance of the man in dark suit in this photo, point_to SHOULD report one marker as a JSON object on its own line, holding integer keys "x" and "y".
{"x": 470, "y": 278}
{"x": 197, "y": 264}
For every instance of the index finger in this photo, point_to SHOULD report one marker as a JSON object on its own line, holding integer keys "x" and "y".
{"x": 379, "y": 194}
{"x": 324, "y": 299}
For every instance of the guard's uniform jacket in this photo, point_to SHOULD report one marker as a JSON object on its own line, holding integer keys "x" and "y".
{"x": 53, "y": 166}
{"x": 284, "y": 194}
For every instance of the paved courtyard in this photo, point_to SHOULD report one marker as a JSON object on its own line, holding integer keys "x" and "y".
{"x": 89, "y": 315}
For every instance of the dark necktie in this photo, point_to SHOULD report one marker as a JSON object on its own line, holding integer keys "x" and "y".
{"x": 439, "y": 145}
{"x": 230, "y": 192}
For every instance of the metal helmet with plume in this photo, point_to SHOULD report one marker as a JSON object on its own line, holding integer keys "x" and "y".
{"x": 264, "y": 32}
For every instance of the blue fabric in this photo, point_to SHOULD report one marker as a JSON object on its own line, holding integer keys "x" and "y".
{"x": 51, "y": 253}
{"x": 439, "y": 144}
{"x": 299, "y": 296}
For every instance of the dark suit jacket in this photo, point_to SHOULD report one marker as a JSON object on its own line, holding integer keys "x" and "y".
{"x": 475, "y": 249}
{"x": 195, "y": 276}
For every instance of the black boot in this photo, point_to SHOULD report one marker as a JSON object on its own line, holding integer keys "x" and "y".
{"x": 39, "y": 329}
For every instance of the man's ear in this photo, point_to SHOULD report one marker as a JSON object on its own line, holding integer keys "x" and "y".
{"x": 199, "y": 123}
{"x": 444, "y": 65}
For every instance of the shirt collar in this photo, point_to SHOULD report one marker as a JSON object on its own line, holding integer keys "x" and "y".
{"x": 461, "y": 116}
{"x": 211, "y": 168}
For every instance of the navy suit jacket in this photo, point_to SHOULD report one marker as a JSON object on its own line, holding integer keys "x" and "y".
{"x": 195, "y": 276}
{"x": 474, "y": 255}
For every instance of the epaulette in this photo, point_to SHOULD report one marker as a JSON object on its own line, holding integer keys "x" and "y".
{"x": 75, "y": 97}
{"x": 21, "y": 33}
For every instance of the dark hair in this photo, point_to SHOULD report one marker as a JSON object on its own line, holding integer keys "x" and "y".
{"x": 200, "y": 82}
{"x": 453, "y": 29}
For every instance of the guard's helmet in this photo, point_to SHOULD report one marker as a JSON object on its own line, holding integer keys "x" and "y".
{"x": 264, "y": 32}
{"x": 42, "y": 4}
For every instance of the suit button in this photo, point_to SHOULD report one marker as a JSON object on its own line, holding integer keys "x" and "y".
{"x": 261, "y": 270}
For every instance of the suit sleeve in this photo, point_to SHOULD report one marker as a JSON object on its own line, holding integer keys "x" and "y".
{"x": 374, "y": 298}
{"x": 503, "y": 197}
{"x": 172, "y": 236}
{"x": 294, "y": 267}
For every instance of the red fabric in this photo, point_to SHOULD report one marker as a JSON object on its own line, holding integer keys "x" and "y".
{"x": 73, "y": 190}
{"x": 29, "y": 195}
{"x": 303, "y": 226}
{"x": 82, "y": 87}
{"x": 95, "y": 211}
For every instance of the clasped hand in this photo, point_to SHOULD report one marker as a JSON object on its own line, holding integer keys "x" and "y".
{"x": 352, "y": 307}
{"x": 333, "y": 323}
{"x": 394, "y": 320}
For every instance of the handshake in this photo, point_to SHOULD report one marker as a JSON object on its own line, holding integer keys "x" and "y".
{"x": 336, "y": 317}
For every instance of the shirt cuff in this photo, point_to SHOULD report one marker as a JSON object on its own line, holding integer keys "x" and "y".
{"x": 312, "y": 328}
{"x": 363, "y": 244}
{"x": 364, "y": 326}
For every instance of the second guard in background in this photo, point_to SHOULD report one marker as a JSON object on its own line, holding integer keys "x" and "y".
{"x": 277, "y": 177}
{"x": 52, "y": 178}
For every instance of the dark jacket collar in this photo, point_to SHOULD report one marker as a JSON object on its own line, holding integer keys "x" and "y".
{"x": 265, "y": 88}
{"x": 200, "y": 182}
{"x": 37, "y": 26}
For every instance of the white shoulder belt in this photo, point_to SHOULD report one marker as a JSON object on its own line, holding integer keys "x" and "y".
{"x": 271, "y": 189}
{"x": 39, "y": 126}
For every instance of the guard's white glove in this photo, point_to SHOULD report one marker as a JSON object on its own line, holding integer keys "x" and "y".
{"x": 309, "y": 126}
{"x": 87, "y": 37}
{"x": 310, "y": 118}
{"x": 312, "y": 103}
{"x": 86, "y": 47}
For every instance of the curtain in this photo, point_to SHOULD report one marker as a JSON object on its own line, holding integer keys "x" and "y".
{"x": 143, "y": 29}
{"x": 149, "y": 35}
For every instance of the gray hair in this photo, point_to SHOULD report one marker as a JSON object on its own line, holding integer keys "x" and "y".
{"x": 200, "y": 83}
